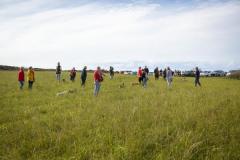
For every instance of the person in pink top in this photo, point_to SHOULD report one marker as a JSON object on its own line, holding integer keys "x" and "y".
{"x": 139, "y": 74}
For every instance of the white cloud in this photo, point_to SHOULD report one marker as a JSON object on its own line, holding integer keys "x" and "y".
{"x": 94, "y": 33}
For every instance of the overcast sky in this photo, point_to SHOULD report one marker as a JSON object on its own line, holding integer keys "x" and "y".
{"x": 125, "y": 34}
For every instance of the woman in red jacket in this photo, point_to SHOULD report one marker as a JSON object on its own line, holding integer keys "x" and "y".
{"x": 21, "y": 77}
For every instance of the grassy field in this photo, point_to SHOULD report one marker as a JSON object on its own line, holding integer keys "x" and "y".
{"x": 130, "y": 123}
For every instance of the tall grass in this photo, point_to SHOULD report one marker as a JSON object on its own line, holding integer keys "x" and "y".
{"x": 183, "y": 122}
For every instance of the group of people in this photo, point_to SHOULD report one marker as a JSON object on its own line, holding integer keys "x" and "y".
{"x": 72, "y": 74}
{"x": 167, "y": 75}
{"x": 142, "y": 74}
{"x": 30, "y": 77}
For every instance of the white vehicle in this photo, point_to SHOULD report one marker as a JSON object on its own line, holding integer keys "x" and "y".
{"x": 205, "y": 74}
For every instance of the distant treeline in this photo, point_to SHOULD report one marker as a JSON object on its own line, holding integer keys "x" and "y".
{"x": 14, "y": 68}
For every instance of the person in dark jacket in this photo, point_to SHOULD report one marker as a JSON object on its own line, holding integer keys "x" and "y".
{"x": 58, "y": 72}
{"x": 144, "y": 78}
{"x": 197, "y": 77}
{"x": 84, "y": 75}
{"x": 164, "y": 74}
{"x": 160, "y": 72}
{"x": 111, "y": 72}
{"x": 146, "y": 70}
{"x": 156, "y": 73}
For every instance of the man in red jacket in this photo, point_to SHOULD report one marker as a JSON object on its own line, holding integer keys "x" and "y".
{"x": 97, "y": 80}
{"x": 21, "y": 77}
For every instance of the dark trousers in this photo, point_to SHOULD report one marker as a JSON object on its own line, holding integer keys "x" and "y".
{"x": 21, "y": 84}
{"x": 83, "y": 81}
{"x": 72, "y": 78}
{"x": 30, "y": 84}
{"x": 197, "y": 81}
{"x": 140, "y": 79}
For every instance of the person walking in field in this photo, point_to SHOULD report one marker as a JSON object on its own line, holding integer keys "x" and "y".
{"x": 197, "y": 77}
{"x": 73, "y": 74}
{"x": 146, "y": 71}
{"x": 144, "y": 78}
{"x": 84, "y": 76}
{"x": 21, "y": 77}
{"x": 161, "y": 72}
{"x": 169, "y": 76}
{"x": 139, "y": 74}
{"x": 111, "y": 72}
{"x": 97, "y": 80}
{"x": 30, "y": 77}
{"x": 164, "y": 73}
{"x": 156, "y": 73}
{"x": 58, "y": 72}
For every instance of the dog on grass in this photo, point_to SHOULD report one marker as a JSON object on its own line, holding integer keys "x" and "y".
{"x": 66, "y": 92}
{"x": 135, "y": 84}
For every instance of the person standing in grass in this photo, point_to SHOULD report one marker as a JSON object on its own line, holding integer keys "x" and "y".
{"x": 156, "y": 73}
{"x": 146, "y": 71}
{"x": 97, "y": 80}
{"x": 164, "y": 73}
{"x": 73, "y": 74}
{"x": 111, "y": 72}
{"x": 21, "y": 77}
{"x": 197, "y": 77}
{"x": 169, "y": 76}
{"x": 30, "y": 77}
{"x": 84, "y": 76}
{"x": 139, "y": 74}
{"x": 144, "y": 78}
{"x": 58, "y": 72}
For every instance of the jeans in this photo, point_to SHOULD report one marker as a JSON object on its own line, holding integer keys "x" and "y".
{"x": 144, "y": 80}
{"x": 21, "y": 84}
{"x": 83, "y": 81}
{"x": 139, "y": 79}
{"x": 30, "y": 84}
{"x": 96, "y": 87}
{"x": 58, "y": 76}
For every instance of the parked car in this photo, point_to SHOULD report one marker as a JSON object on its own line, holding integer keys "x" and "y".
{"x": 205, "y": 74}
{"x": 187, "y": 73}
{"x": 218, "y": 73}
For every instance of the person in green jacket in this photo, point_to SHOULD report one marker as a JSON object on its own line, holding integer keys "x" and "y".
{"x": 84, "y": 76}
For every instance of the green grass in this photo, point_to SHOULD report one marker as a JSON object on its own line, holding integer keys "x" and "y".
{"x": 128, "y": 123}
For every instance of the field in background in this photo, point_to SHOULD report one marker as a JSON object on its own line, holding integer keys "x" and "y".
{"x": 122, "y": 123}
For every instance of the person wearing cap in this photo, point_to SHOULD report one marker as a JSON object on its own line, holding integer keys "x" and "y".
{"x": 30, "y": 77}
{"x": 21, "y": 77}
